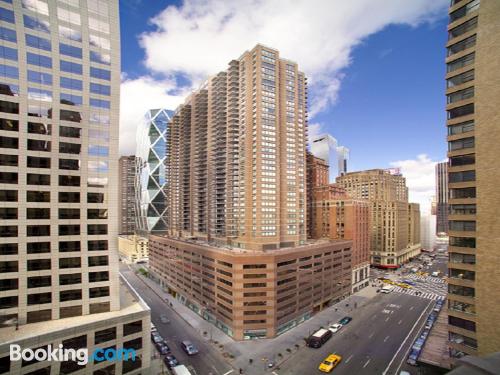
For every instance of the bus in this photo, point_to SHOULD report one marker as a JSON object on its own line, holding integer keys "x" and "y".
{"x": 318, "y": 338}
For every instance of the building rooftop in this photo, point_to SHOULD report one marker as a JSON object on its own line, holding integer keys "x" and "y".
{"x": 130, "y": 303}
{"x": 435, "y": 350}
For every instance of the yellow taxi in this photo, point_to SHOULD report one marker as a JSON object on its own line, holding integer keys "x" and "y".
{"x": 330, "y": 363}
{"x": 403, "y": 285}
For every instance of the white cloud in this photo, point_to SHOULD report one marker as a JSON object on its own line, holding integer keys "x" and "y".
{"x": 199, "y": 37}
{"x": 137, "y": 97}
{"x": 420, "y": 179}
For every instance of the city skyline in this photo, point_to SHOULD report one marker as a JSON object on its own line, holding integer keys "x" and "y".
{"x": 362, "y": 82}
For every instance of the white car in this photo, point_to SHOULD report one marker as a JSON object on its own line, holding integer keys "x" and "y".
{"x": 335, "y": 327}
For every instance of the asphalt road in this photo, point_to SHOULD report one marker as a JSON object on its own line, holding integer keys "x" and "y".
{"x": 375, "y": 342}
{"x": 208, "y": 361}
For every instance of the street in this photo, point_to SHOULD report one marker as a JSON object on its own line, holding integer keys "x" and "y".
{"x": 208, "y": 361}
{"x": 375, "y": 342}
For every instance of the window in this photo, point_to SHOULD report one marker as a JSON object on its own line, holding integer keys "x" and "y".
{"x": 8, "y": 213}
{"x": 463, "y": 193}
{"x": 70, "y": 148}
{"x": 9, "y": 142}
{"x": 9, "y": 284}
{"x": 38, "y": 196}
{"x": 70, "y": 33}
{"x": 105, "y": 335}
{"x": 98, "y": 261}
{"x": 37, "y": 24}
{"x": 71, "y": 84}
{"x": 69, "y": 180}
{"x": 462, "y": 160}
{"x": 463, "y": 28}
{"x": 469, "y": 242}
{"x": 69, "y": 197}
{"x": 72, "y": 51}
{"x": 39, "y": 298}
{"x": 9, "y": 160}
{"x": 460, "y": 144}
{"x": 74, "y": 262}
{"x": 71, "y": 67}
{"x": 462, "y": 45}
{"x": 97, "y": 229}
{"x": 469, "y": 226}
{"x": 97, "y": 245}
{"x": 67, "y": 115}
{"x": 9, "y": 89}
{"x": 69, "y": 246}
{"x": 100, "y": 73}
{"x": 101, "y": 58}
{"x": 39, "y": 94}
{"x": 100, "y": 103}
{"x": 98, "y": 25}
{"x": 464, "y": 110}
{"x": 69, "y": 230}
{"x": 8, "y": 71}
{"x": 8, "y": 248}
{"x": 68, "y": 16}
{"x": 38, "y": 213}
{"x": 460, "y": 95}
{"x": 69, "y": 213}
{"x": 37, "y": 179}
{"x": 69, "y": 311}
{"x": 38, "y": 247}
{"x": 98, "y": 150}
{"x": 69, "y": 164}
{"x": 70, "y": 295}
{"x": 460, "y": 128}
{"x": 71, "y": 278}
{"x": 8, "y": 177}
{"x": 8, "y": 302}
{"x": 461, "y": 290}
{"x": 8, "y": 53}
{"x": 8, "y": 35}
{"x": 39, "y": 128}
{"x": 38, "y": 6}
{"x": 8, "y": 266}
{"x": 39, "y": 281}
{"x": 95, "y": 197}
{"x": 8, "y": 196}
{"x": 97, "y": 88}
{"x": 7, "y": 15}
{"x": 39, "y": 316}
{"x": 101, "y": 291}
{"x": 39, "y": 77}
{"x": 98, "y": 166}
{"x": 37, "y": 42}
{"x": 98, "y": 6}
{"x": 9, "y": 107}
{"x": 99, "y": 276}
{"x": 38, "y": 264}
{"x": 97, "y": 213}
{"x": 38, "y": 230}
{"x": 463, "y": 11}
{"x": 71, "y": 132}
{"x": 70, "y": 99}
{"x": 38, "y": 145}
{"x": 462, "y": 176}
{"x": 463, "y": 209}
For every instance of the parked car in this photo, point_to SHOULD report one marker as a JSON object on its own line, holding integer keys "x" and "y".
{"x": 345, "y": 320}
{"x": 163, "y": 348}
{"x": 171, "y": 361}
{"x": 335, "y": 327}
{"x": 155, "y": 336}
{"x": 189, "y": 348}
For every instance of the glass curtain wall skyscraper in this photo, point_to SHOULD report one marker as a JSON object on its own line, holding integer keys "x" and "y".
{"x": 151, "y": 176}
{"x": 59, "y": 106}
{"x": 327, "y": 148}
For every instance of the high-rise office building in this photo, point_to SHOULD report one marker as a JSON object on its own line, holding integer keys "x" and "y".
{"x": 473, "y": 89}
{"x": 442, "y": 197}
{"x": 236, "y": 250}
{"x": 327, "y": 148}
{"x": 59, "y": 105}
{"x": 335, "y": 215}
{"x": 151, "y": 180}
{"x": 392, "y": 241}
{"x": 127, "y": 195}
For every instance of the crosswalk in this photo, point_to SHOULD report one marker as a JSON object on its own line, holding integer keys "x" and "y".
{"x": 427, "y": 295}
{"x": 430, "y": 279}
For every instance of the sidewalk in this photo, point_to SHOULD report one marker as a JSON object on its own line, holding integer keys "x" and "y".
{"x": 264, "y": 351}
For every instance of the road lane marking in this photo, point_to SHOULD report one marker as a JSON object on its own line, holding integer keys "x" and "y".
{"x": 350, "y": 357}
{"x": 274, "y": 373}
{"x": 411, "y": 308}
{"x": 366, "y": 364}
{"x": 387, "y": 319}
{"x": 386, "y": 338}
{"x": 371, "y": 335}
{"x": 401, "y": 321}
{"x": 407, "y": 337}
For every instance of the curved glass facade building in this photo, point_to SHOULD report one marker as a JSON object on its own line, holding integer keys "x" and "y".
{"x": 151, "y": 180}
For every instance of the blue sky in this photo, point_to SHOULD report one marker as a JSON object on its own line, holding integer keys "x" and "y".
{"x": 377, "y": 83}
